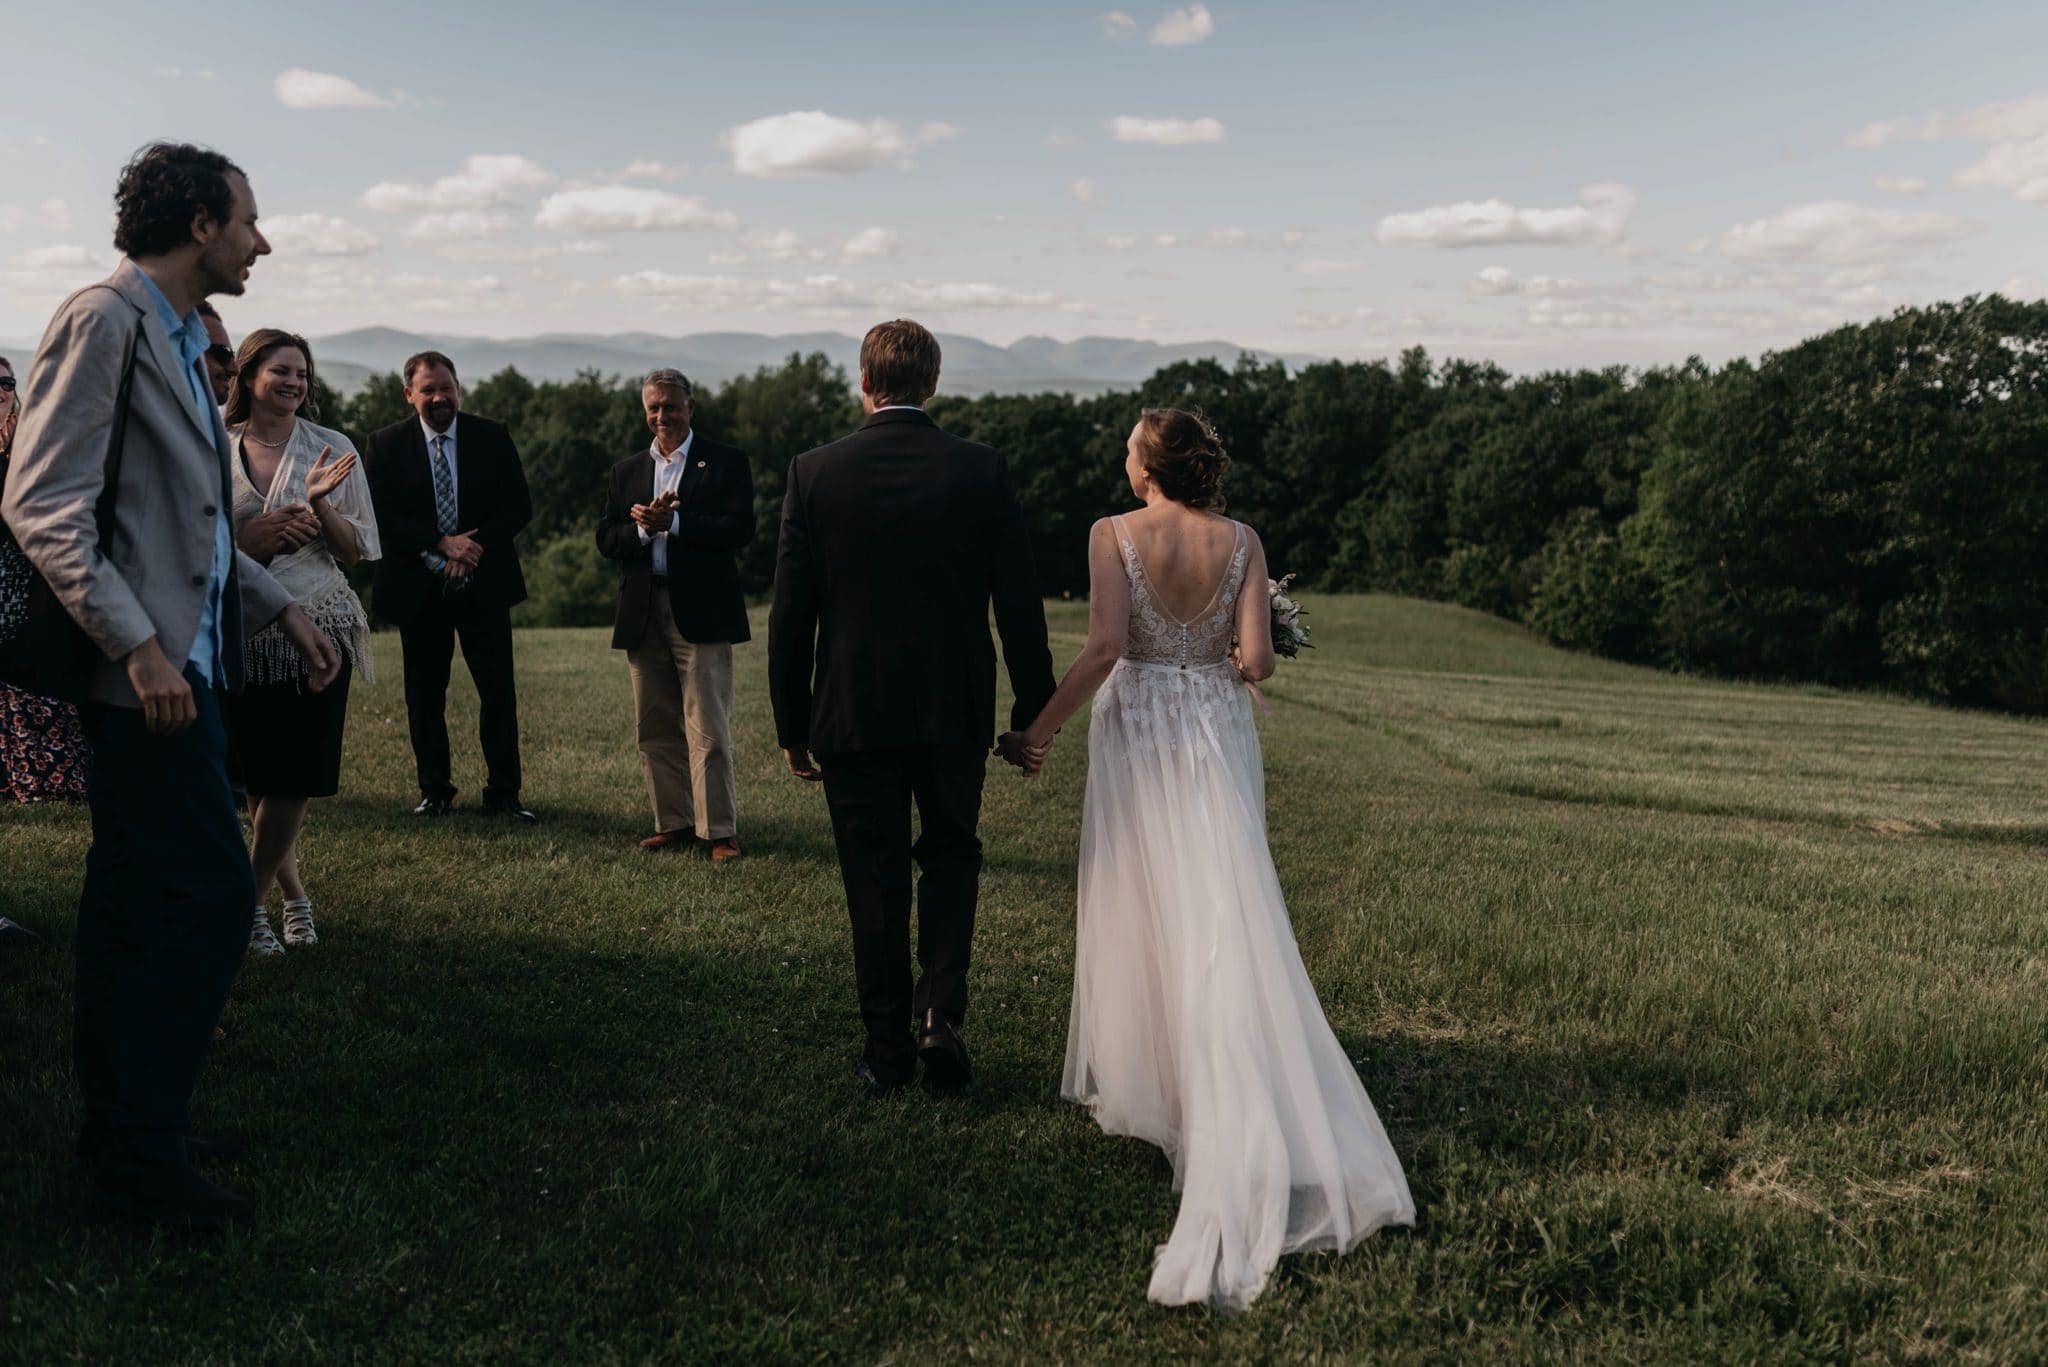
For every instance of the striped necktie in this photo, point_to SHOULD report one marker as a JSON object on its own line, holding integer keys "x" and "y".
{"x": 444, "y": 486}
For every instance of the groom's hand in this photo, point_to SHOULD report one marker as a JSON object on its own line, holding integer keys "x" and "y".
{"x": 802, "y": 765}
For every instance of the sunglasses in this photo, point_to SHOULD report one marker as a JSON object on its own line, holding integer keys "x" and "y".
{"x": 221, "y": 356}
{"x": 7, "y": 383}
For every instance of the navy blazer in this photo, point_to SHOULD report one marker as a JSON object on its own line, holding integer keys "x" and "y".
{"x": 715, "y": 510}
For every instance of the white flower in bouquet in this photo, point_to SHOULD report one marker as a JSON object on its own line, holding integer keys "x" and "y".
{"x": 1290, "y": 633}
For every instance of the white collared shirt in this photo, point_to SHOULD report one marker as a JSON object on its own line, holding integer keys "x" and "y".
{"x": 668, "y": 473}
{"x": 892, "y": 407}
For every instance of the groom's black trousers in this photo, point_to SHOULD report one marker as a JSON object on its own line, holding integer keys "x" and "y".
{"x": 870, "y": 793}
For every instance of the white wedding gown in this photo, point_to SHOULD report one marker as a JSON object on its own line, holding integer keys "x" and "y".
{"x": 1194, "y": 1024}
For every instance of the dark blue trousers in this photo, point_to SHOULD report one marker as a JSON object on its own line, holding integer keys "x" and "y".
{"x": 162, "y": 925}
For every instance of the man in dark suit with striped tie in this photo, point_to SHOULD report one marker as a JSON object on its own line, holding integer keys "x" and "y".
{"x": 450, "y": 496}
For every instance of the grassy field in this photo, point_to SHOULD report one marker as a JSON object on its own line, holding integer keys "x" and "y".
{"x": 1711, "y": 1022}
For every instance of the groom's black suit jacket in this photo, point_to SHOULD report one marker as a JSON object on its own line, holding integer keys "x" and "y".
{"x": 715, "y": 510}
{"x": 895, "y": 540}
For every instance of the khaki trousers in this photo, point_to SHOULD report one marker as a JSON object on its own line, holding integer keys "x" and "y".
{"x": 682, "y": 705}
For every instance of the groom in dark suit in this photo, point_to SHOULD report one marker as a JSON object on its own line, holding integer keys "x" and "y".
{"x": 895, "y": 540}
{"x": 450, "y": 496}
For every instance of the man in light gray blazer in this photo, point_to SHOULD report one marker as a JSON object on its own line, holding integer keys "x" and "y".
{"x": 168, "y": 894}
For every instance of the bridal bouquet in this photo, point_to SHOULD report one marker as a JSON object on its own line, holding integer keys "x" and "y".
{"x": 1290, "y": 636}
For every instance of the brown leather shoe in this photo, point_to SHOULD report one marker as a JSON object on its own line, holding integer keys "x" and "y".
{"x": 668, "y": 840}
{"x": 724, "y": 851}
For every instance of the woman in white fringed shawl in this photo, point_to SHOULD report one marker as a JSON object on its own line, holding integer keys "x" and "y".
{"x": 302, "y": 507}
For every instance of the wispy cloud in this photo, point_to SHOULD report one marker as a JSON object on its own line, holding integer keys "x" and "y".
{"x": 1117, "y": 24}
{"x": 2016, "y": 160}
{"x": 617, "y": 208}
{"x": 298, "y": 88}
{"x": 810, "y": 142}
{"x": 1165, "y": 132}
{"x": 318, "y": 235}
{"x": 485, "y": 181}
{"x": 1183, "y": 26}
{"x": 1600, "y": 217}
{"x": 1838, "y": 231}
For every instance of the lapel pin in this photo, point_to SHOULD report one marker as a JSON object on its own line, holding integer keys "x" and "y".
{"x": 700, "y": 465}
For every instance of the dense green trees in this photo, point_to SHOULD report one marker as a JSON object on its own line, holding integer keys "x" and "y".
{"x": 1869, "y": 507}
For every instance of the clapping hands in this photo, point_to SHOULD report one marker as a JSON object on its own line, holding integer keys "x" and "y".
{"x": 1016, "y": 748}
{"x": 654, "y": 518}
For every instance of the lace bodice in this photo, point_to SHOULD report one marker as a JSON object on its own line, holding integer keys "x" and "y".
{"x": 1158, "y": 637}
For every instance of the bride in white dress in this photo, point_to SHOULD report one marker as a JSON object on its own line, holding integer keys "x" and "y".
{"x": 1194, "y": 1024}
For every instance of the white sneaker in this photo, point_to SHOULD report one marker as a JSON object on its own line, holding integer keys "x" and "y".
{"x": 298, "y": 922}
{"x": 261, "y": 941}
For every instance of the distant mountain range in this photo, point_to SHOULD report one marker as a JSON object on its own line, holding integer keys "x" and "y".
{"x": 1030, "y": 365}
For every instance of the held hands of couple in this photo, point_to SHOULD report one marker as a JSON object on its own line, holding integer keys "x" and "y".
{"x": 167, "y": 703}
{"x": 1024, "y": 750}
{"x": 802, "y": 765}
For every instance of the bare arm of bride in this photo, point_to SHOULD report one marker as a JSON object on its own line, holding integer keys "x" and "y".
{"x": 1254, "y": 653}
{"x": 1109, "y": 620}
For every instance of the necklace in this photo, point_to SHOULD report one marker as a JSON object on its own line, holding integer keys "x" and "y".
{"x": 250, "y": 433}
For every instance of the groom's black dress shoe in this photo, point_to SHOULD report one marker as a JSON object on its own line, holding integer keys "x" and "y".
{"x": 878, "y": 1085}
{"x": 510, "y": 806}
{"x": 943, "y": 1053}
{"x": 434, "y": 806}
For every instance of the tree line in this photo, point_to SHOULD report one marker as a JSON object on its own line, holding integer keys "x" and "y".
{"x": 1869, "y": 507}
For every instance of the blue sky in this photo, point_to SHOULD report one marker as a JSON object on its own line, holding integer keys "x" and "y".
{"x": 1541, "y": 183}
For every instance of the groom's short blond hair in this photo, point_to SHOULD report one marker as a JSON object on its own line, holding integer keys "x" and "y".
{"x": 899, "y": 363}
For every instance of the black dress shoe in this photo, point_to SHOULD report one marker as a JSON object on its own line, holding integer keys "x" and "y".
{"x": 510, "y": 806}
{"x": 172, "y": 1196}
{"x": 877, "y": 1084}
{"x": 15, "y": 933}
{"x": 434, "y": 806}
{"x": 944, "y": 1054}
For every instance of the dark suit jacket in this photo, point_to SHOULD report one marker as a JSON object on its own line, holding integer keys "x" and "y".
{"x": 490, "y": 497}
{"x": 716, "y": 517}
{"x": 895, "y": 540}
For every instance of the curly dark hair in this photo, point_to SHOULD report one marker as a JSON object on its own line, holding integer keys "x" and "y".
{"x": 163, "y": 187}
{"x": 1184, "y": 456}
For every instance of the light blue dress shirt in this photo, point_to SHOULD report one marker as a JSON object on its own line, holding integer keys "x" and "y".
{"x": 431, "y": 558}
{"x": 189, "y": 338}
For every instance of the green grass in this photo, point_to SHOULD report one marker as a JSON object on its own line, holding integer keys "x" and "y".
{"x": 1711, "y": 1021}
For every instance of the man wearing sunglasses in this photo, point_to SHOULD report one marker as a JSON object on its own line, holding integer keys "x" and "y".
{"x": 219, "y": 353}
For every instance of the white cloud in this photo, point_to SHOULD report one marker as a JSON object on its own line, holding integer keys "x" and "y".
{"x": 1083, "y": 190}
{"x": 66, "y": 257}
{"x": 1836, "y": 231}
{"x": 55, "y": 215}
{"x": 870, "y": 242}
{"x": 1293, "y": 237}
{"x": 1555, "y": 313}
{"x": 299, "y": 88}
{"x": 1183, "y": 26}
{"x": 318, "y": 235}
{"x": 1497, "y": 280}
{"x": 653, "y": 170}
{"x": 178, "y": 73}
{"x": 1117, "y": 24}
{"x": 457, "y": 225}
{"x": 616, "y": 208}
{"x": 1901, "y": 185}
{"x": 2009, "y": 121}
{"x": 2017, "y": 131}
{"x": 1164, "y": 132}
{"x": 484, "y": 182}
{"x": 49, "y": 273}
{"x": 1601, "y": 216}
{"x": 830, "y": 293}
{"x": 480, "y": 252}
{"x": 810, "y": 142}
{"x": 2020, "y": 168}
{"x": 1226, "y": 238}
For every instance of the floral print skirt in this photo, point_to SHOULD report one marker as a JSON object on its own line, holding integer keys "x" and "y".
{"x": 43, "y": 756}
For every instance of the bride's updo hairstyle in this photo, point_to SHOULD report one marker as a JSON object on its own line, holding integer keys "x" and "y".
{"x": 1184, "y": 456}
